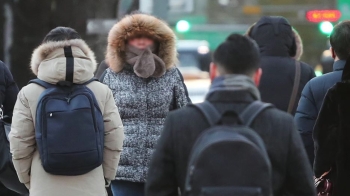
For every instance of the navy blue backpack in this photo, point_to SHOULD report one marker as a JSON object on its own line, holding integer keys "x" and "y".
{"x": 69, "y": 127}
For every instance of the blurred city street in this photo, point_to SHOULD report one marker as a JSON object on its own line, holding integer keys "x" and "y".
{"x": 155, "y": 65}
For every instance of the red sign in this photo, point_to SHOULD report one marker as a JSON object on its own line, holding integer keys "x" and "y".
{"x": 323, "y": 15}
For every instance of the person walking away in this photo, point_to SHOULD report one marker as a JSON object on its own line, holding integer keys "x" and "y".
{"x": 67, "y": 134}
{"x": 8, "y": 95}
{"x": 141, "y": 56}
{"x": 316, "y": 89}
{"x": 284, "y": 76}
{"x": 235, "y": 73}
{"x": 331, "y": 136}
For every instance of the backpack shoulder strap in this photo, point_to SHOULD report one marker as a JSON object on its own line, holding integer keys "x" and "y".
{"x": 295, "y": 89}
{"x": 41, "y": 83}
{"x": 252, "y": 111}
{"x": 209, "y": 111}
{"x": 91, "y": 80}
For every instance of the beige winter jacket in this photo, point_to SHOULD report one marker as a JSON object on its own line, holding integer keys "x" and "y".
{"x": 49, "y": 64}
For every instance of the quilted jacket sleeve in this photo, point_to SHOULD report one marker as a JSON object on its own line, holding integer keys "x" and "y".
{"x": 114, "y": 137}
{"x": 180, "y": 91}
{"x": 22, "y": 138}
{"x": 305, "y": 118}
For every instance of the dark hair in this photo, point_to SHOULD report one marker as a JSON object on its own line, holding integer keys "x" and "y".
{"x": 61, "y": 34}
{"x": 237, "y": 55}
{"x": 340, "y": 39}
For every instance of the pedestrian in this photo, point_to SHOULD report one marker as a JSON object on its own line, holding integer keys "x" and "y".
{"x": 101, "y": 69}
{"x": 8, "y": 90}
{"x": 331, "y": 132}
{"x": 8, "y": 95}
{"x": 141, "y": 56}
{"x": 316, "y": 89}
{"x": 235, "y": 73}
{"x": 280, "y": 49}
{"x": 65, "y": 63}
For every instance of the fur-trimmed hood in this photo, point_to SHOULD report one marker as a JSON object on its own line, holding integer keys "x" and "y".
{"x": 143, "y": 24}
{"x": 48, "y": 61}
{"x": 297, "y": 39}
{"x": 299, "y": 44}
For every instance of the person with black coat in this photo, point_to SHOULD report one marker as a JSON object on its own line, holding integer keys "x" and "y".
{"x": 8, "y": 90}
{"x": 315, "y": 90}
{"x": 236, "y": 72}
{"x": 8, "y": 97}
{"x": 331, "y": 136}
{"x": 280, "y": 48}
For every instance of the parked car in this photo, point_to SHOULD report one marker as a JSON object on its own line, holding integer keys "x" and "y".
{"x": 194, "y": 61}
{"x": 194, "y": 53}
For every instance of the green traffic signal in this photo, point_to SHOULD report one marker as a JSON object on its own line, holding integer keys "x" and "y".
{"x": 326, "y": 27}
{"x": 183, "y": 26}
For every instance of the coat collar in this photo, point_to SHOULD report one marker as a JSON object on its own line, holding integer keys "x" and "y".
{"x": 229, "y": 87}
{"x": 240, "y": 96}
{"x": 339, "y": 65}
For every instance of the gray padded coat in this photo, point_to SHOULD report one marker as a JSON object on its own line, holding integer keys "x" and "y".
{"x": 143, "y": 102}
{"x": 143, "y": 105}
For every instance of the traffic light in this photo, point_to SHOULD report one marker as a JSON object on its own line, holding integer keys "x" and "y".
{"x": 324, "y": 18}
{"x": 326, "y": 27}
{"x": 183, "y": 26}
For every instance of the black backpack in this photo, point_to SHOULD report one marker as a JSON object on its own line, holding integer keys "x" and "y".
{"x": 229, "y": 160}
{"x": 69, "y": 126}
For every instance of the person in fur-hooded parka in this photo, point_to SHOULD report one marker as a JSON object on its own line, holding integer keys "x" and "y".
{"x": 49, "y": 64}
{"x": 280, "y": 48}
{"x": 141, "y": 56}
{"x": 331, "y": 136}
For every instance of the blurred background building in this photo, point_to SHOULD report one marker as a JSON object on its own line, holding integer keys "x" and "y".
{"x": 24, "y": 23}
